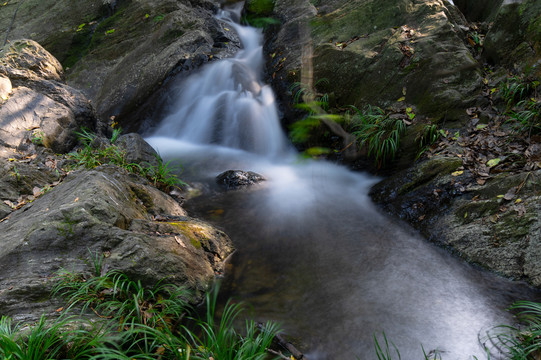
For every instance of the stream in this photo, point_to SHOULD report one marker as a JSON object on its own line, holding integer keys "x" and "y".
{"x": 313, "y": 252}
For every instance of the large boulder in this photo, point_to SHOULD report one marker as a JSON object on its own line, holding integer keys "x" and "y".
{"x": 39, "y": 105}
{"x": 377, "y": 52}
{"x": 496, "y": 225}
{"x": 119, "y": 52}
{"x": 514, "y": 40}
{"x": 140, "y": 231}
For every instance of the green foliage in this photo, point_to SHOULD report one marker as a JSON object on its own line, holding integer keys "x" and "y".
{"x": 516, "y": 89}
{"x": 526, "y": 117}
{"x": 136, "y": 323}
{"x": 302, "y": 91}
{"x": 92, "y": 155}
{"x": 260, "y": 7}
{"x": 378, "y": 132}
{"x": 429, "y": 136}
{"x": 37, "y": 137}
{"x": 300, "y": 131}
{"x": 383, "y": 351}
{"x": 162, "y": 174}
{"x": 523, "y": 341}
{"x": 259, "y": 22}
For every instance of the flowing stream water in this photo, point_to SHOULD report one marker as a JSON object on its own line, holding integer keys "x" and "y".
{"x": 313, "y": 252}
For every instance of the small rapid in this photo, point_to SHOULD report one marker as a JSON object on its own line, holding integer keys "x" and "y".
{"x": 313, "y": 252}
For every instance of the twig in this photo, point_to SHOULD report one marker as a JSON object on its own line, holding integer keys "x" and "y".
{"x": 278, "y": 353}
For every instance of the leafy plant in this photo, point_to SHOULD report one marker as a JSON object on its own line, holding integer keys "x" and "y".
{"x": 378, "y": 132}
{"x": 37, "y": 137}
{"x": 301, "y": 92}
{"x": 522, "y": 341}
{"x": 92, "y": 155}
{"x": 526, "y": 118}
{"x": 516, "y": 89}
{"x": 383, "y": 351}
{"x": 163, "y": 174}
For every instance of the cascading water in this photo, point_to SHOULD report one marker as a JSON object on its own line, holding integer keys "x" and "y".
{"x": 227, "y": 104}
{"x": 312, "y": 251}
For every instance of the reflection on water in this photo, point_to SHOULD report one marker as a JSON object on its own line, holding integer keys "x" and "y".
{"x": 312, "y": 250}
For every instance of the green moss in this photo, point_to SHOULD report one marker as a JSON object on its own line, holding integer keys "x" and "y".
{"x": 430, "y": 170}
{"x": 477, "y": 209}
{"x": 260, "y": 7}
{"x": 193, "y": 232}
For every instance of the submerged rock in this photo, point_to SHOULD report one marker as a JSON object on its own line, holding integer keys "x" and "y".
{"x": 234, "y": 179}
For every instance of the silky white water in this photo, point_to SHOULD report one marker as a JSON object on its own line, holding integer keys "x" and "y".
{"x": 313, "y": 252}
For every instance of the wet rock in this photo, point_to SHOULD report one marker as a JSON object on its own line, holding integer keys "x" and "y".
{"x": 490, "y": 225}
{"x": 142, "y": 231}
{"x": 40, "y": 105}
{"x": 234, "y": 179}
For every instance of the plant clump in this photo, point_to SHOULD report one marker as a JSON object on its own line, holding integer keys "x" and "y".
{"x": 93, "y": 154}
{"x": 134, "y": 322}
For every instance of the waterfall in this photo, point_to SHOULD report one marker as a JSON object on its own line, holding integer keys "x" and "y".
{"x": 313, "y": 252}
{"x": 226, "y": 103}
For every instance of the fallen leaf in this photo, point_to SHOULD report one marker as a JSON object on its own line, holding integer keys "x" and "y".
{"x": 457, "y": 173}
{"x": 510, "y": 194}
{"x": 493, "y": 162}
{"x": 36, "y": 191}
{"x": 481, "y": 181}
{"x": 401, "y": 99}
{"x": 59, "y": 309}
{"x": 518, "y": 201}
{"x": 179, "y": 242}
{"x": 76, "y": 199}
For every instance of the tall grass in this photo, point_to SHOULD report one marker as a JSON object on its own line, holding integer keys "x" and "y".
{"x": 381, "y": 134}
{"x": 134, "y": 322}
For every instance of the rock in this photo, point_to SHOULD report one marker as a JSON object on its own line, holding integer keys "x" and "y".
{"x": 5, "y": 87}
{"x": 476, "y": 222}
{"x": 40, "y": 105}
{"x": 143, "y": 232}
{"x": 480, "y": 10}
{"x": 514, "y": 40}
{"x": 376, "y": 52}
{"x": 27, "y": 60}
{"x": 234, "y": 179}
{"x": 137, "y": 149}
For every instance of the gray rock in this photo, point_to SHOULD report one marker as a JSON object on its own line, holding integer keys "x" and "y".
{"x": 5, "y": 87}
{"x": 234, "y": 179}
{"x": 137, "y": 149}
{"x": 40, "y": 104}
{"x": 376, "y": 52}
{"x": 142, "y": 231}
{"x": 475, "y": 221}
{"x": 514, "y": 39}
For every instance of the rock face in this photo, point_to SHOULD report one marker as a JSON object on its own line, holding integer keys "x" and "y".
{"x": 39, "y": 106}
{"x": 120, "y": 52}
{"x": 377, "y": 52}
{"x": 50, "y": 219}
{"x": 514, "y": 40}
{"x": 103, "y": 211}
{"x": 497, "y": 225}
